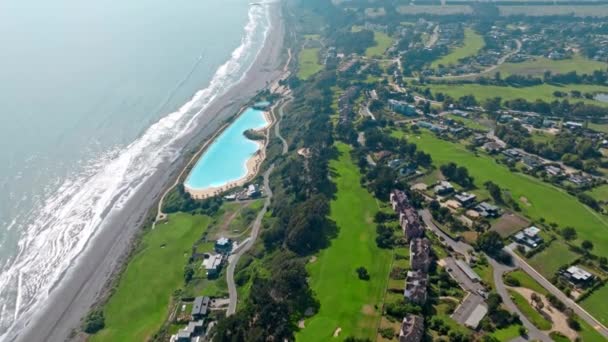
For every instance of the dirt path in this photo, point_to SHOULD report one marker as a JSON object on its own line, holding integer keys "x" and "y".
{"x": 557, "y": 317}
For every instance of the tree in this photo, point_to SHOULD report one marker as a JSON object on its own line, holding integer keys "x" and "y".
{"x": 490, "y": 242}
{"x": 587, "y": 246}
{"x": 362, "y": 273}
{"x": 94, "y": 322}
{"x": 188, "y": 273}
{"x": 495, "y": 191}
{"x": 569, "y": 233}
{"x": 523, "y": 331}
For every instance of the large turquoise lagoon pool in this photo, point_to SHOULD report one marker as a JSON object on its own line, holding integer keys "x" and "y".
{"x": 225, "y": 160}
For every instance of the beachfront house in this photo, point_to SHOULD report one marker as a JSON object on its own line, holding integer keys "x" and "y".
{"x": 412, "y": 329}
{"x": 213, "y": 264}
{"x": 529, "y": 237}
{"x": 223, "y": 245}
{"x": 200, "y": 307}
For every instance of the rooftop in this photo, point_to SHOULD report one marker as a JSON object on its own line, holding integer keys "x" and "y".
{"x": 468, "y": 270}
{"x": 579, "y": 273}
{"x": 476, "y": 316}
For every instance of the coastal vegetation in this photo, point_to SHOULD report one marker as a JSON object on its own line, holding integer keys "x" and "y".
{"x": 140, "y": 302}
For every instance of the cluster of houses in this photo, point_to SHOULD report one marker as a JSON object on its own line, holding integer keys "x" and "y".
{"x": 417, "y": 278}
{"x": 467, "y": 200}
{"x": 213, "y": 261}
{"x": 194, "y": 331}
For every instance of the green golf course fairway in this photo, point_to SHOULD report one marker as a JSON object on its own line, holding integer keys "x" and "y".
{"x": 346, "y": 301}
{"x": 140, "y": 303}
{"x": 544, "y": 200}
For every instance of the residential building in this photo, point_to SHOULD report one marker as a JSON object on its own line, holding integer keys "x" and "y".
{"x": 529, "y": 237}
{"x": 492, "y": 147}
{"x": 465, "y": 199}
{"x": 531, "y": 162}
{"x": 399, "y": 200}
{"x": 554, "y": 171}
{"x": 189, "y": 333}
{"x": 420, "y": 254}
{"x": 223, "y": 245}
{"x": 402, "y": 107}
{"x": 410, "y": 223}
{"x": 512, "y": 154}
{"x": 579, "y": 180}
{"x": 415, "y": 286}
{"x": 200, "y": 308}
{"x": 412, "y": 329}
{"x": 444, "y": 188}
{"x": 486, "y": 209}
{"x": 213, "y": 264}
{"x": 578, "y": 276}
{"x": 253, "y": 191}
{"x": 573, "y": 125}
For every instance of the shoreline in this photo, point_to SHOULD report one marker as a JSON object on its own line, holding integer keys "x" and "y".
{"x": 89, "y": 280}
{"x": 252, "y": 164}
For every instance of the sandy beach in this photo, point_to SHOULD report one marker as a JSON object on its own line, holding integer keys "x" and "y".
{"x": 87, "y": 281}
{"x": 252, "y": 165}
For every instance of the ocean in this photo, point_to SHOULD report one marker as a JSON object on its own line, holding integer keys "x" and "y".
{"x": 93, "y": 97}
{"x": 226, "y": 158}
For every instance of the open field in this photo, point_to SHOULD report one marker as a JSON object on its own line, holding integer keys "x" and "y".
{"x": 140, "y": 304}
{"x": 509, "y": 224}
{"x": 473, "y": 42}
{"x": 543, "y": 91}
{"x": 562, "y": 208}
{"x": 506, "y": 334}
{"x": 598, "y": 127}
{"x": 383, "y": 42}
{"x": 346, "y": 301}
{"x": 539, "y": 65}
{"x": 473, "y": 124}
{"x": 433, "y": 9}
{"x": 600, "y": 193}
{"x": 526, "y": 308}
{"x": 600, "y": 10}
{"x": 309, "y": 65}
{"x": 549, "y": 260}
{"x": 589, "y": 334}
{"x": 526, "y": 281}
{"x": 595, "y": 304}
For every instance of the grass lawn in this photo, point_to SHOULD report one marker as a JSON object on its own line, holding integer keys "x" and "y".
{"x": 383, "y": 42}
{"x": 538, "y": 66}
{"x": 486, "y": 272}
{"x": 557, "y": 337}
{"x": 469, "y": 123}
{"x": 598, "y": 127}
{"x": 589, "y": 334}
{"x": 346, "y": 301}
{"x": 526, "y": 308}
{"x": 542, "y": 199}
{"x": 543, "y": 91}
{"x": 506, "y": 334}
{"x": 473, "y": 42}
{"x": 600, "y": 193}
{"x": 140, "y": 304}
{"x": 526, "y": 281}
{"x": 309, "y": 65}
{"x": 595, "y": 304}
{"x": 549, "y": 260}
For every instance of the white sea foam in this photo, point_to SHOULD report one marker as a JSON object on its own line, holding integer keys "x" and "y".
{"x": 74, "y": 213}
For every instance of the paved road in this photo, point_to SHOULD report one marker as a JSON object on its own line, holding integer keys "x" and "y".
{"x": 277, "y": 126}
{"x": 559, "y": 294}
{"x": 234, "y": 259}
{"x": 458, "y": 246}
{"x": 499, "y": 269}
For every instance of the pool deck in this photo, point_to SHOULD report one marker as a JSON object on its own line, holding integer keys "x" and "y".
{"x": 253, "y": 165}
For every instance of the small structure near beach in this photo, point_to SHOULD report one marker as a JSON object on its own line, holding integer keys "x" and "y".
{"x": 223, "y": 245}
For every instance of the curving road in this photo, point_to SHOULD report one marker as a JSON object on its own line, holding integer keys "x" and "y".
{"x": 234, "y": 259}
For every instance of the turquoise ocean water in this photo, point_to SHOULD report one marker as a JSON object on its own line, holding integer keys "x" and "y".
{"x": 94, "y": 96}
{"x": 226, "y": 158}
